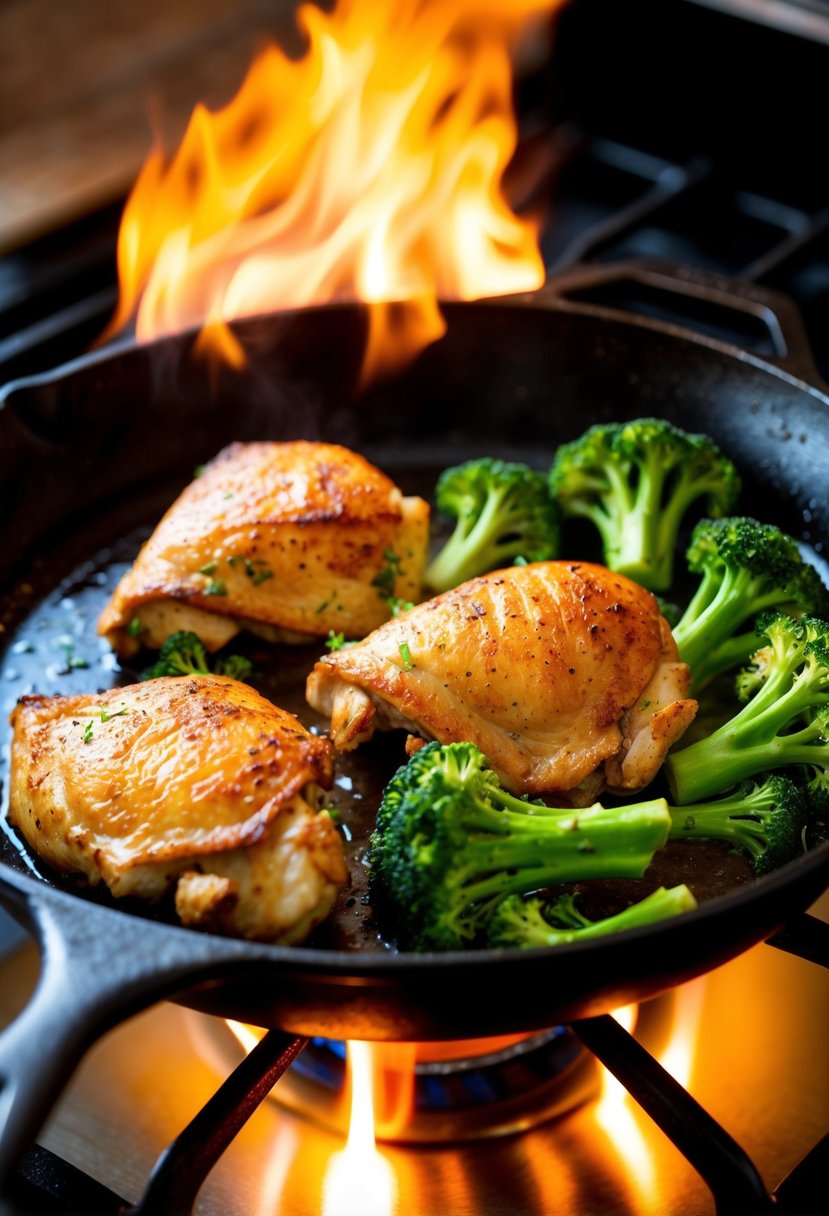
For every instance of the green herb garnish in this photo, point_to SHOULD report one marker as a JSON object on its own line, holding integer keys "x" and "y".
{"x": 384, "y": 581}
{"x": 396, "y": 606}
{"x": 335, "y": 641}
{"x": 72, "y": 660}
{"x": 215, "y": 587}
{"x": 210, "y": 568}
{"x": 119, "y": 713}
{"x": 256, "y": 576}
{"x": 87, "y": 733}
{"x": 135, "y": 628}
{"x": 406, "y": 656}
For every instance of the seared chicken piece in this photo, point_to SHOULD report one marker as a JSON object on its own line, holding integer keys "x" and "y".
{"x": 288, "y": 540}
{"x": 552, "y": 670}
{"x": 196, "y": 783}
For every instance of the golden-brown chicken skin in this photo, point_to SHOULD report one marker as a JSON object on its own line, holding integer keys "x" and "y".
{"x": 289, "y": 540}
{"x": 194, "y": 783}
{"x": 551, "y": 669}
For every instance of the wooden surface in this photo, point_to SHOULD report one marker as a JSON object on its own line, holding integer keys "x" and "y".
{"x": 83, "y": 84}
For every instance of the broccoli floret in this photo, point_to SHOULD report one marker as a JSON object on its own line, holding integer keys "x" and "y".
{"x": 237, "y": 666}
{"x": 784, "y": 722}
{"x": 532, "y": 922}
{"x": 763, "y": 819}
{"x": 450, "y": 842}
{"x": 502, "y": 509}
{"x": 636, "y": 481}
{"x": 746, "y": 568}
{"x": 183, "y": 654}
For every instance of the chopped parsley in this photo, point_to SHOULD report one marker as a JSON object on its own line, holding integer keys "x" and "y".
{"x": 215, "y": 587}
{"x": 257, "y": 570}
{"x": 210, "y": 568}
{"x": 135, "y": 628}
{"x": 87, "y": 732}
{"x": 384, "y": 581}
{"x": 73, "y": 661}
{"x": 406, "y": 656}
{"x": 119, "y": 713}
{"x": 396, "y": 606}
{"x": 335, "y": 641}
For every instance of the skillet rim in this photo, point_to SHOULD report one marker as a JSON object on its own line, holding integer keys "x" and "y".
{"x": 368, "y": 963}
{"x": 547, "y": 297}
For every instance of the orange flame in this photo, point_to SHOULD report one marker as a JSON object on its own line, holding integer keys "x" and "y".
{"x": 370, "y": 169}
{"x": 627, "y": 1127}
{"x": 359, "y": 1182}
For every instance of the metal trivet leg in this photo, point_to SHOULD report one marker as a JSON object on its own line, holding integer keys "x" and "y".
{"x": 735, "y": 1184}
{"x": 184, "y": 1165}
{"x": 806, "y": 937}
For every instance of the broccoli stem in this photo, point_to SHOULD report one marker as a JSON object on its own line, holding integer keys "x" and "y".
{"x": 609, "y": 512}
{"x": 736, "y": 652}
{"x": 562, "y": 846}
{"x": 747, "y": 745}
{"x": 649, "y": 532}
{"x": 728, "y": 819}
{"x": 712, "y": 617}
{"x": 469, "y": 550}
{"x": 525, "y": 924}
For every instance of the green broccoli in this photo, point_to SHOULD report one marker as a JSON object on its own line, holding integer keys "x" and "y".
{"x": 502, "y": 509}
{"x": 635, "y": 481}
{"x": 763, "y": 819}
{"x": 784, "y": 722}
{"x": 183, "y": 654}
{"x": 450, "y": 842}
{"x": 532, "y": 922}
{"x": 746, "y": 568}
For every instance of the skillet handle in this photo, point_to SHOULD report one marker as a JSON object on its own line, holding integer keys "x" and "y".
{"x": 699, "y": 298}
{"x": 98, "y": 967}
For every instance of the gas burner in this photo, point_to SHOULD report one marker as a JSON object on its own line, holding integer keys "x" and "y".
{"x": 428, "y": 1092}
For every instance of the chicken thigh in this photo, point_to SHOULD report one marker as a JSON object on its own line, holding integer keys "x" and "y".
{"x": 564, "y": 674}
{"x": 195, "y": 783}
{"x": 288, "y": 540}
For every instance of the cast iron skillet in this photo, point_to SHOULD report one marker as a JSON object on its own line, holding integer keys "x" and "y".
{"x": 83, "y": 451}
